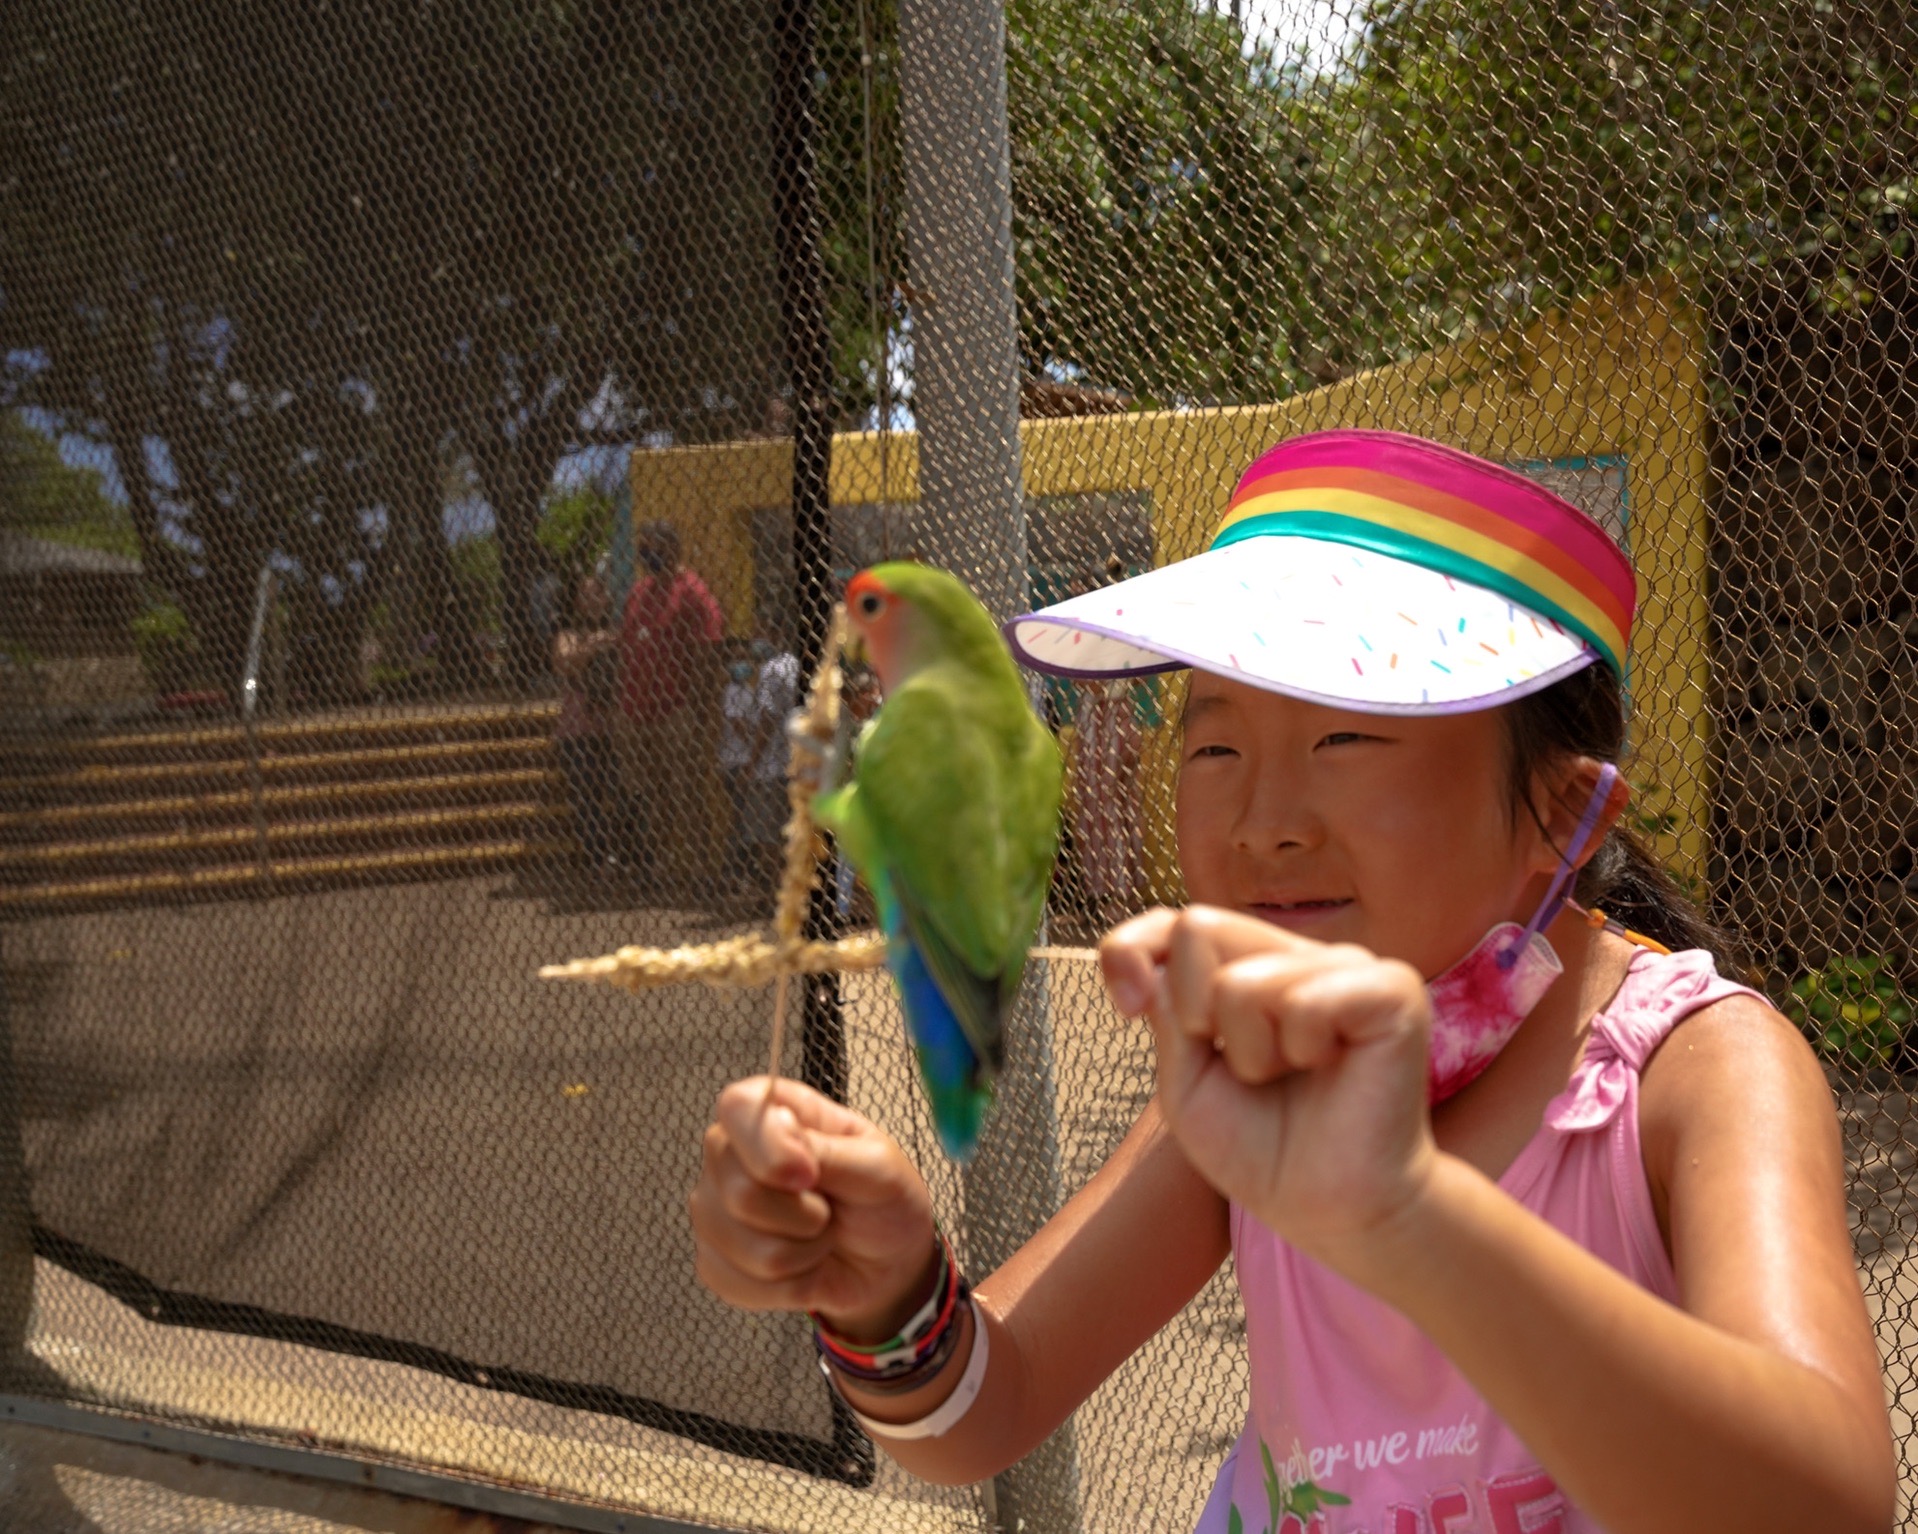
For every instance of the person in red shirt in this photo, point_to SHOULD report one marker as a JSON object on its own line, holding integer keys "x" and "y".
{"x": 669, "y": 640}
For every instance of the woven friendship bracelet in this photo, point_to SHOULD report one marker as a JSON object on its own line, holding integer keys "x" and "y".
{"x": 943, "y": 1417}
{"x": 926, "y": 1368}
{"x": 912, "y": 1349}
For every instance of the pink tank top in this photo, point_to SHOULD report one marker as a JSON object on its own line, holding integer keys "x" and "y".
{"x": 1357, "y": 1421}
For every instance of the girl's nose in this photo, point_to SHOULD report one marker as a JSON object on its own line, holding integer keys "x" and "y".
{"x": 1276, "y": 816}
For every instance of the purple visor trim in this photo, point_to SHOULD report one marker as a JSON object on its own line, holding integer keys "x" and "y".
{"x": 1180, "y": 660}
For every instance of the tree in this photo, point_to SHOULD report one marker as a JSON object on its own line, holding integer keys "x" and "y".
{"x": 43, "y": 496}
{"x": 287, "y": 263}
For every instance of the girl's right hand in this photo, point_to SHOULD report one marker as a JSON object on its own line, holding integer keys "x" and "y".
{"x": 801, "y": 1204}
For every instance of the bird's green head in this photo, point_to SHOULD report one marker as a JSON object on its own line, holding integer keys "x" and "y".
{"x": 907, "y": 616}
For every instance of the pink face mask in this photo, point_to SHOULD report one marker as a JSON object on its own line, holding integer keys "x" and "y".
{"x": 1478, "y": 1004}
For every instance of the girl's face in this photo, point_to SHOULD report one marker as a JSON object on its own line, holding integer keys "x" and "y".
{"x": 1392, "y": 832}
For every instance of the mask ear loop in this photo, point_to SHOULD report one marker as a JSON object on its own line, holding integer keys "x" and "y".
{"x": 1557, "y": 891}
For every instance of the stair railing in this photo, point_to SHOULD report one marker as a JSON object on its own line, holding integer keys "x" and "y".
{"x": 250, "y": 710}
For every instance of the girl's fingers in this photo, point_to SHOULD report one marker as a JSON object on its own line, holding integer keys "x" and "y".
{"x": 1130, "y": 956}
{"x": 772, "y": 1211}
{"x": 772, "y": 1125}
{"x": 774, "y": 1259}
{"x": 748, "y": 1291}
{"x": 1265, "y": 1022}
{"x": 866, "y": 1169}
{"x": 1136, "y": 955}
{"x": 1182, "y": 1062}
{"x": 1268, "y": 1001}
{"x": 1191, "y": 968}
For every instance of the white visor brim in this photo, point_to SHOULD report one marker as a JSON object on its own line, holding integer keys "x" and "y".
{"x": 1327, "y": 622}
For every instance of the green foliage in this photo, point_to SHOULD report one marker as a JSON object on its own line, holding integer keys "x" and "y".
{"x": 168, "y": 647}
{"x": 1193, "y": 227}
{"x": 43, "y": 496}
{"x": 476, "y": 582}
{"x": 567, "y": 195}
{"x": 1525, "y": 154}
{"x": 1160, "y": 188}
{"x": 576, "y": 529}
{"x": 1853, "y": 1009}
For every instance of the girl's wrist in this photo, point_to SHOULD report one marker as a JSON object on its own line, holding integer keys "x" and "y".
{"x": 1393, "y": 1249}
{"x": 878, "y": 1322}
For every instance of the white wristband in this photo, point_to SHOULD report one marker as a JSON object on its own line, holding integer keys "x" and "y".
{"x": 943, "y": 1417}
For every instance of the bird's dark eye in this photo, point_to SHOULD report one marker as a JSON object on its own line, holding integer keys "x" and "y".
{"x": 869, "y": 605}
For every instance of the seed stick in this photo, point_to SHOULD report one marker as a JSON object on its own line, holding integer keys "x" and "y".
{"x": 814, "y": 732}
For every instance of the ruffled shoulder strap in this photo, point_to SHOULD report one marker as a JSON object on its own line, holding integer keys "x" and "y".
{"x": 1660, "y": 992}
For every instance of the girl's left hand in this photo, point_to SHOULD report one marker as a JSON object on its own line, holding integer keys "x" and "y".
{"x": 1293, "y": 1073}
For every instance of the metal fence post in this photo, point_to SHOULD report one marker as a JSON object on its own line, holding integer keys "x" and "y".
{"x": 16, "y": 1210}
{"x": 250, "y": 715}
{"x": 965, "y": 339}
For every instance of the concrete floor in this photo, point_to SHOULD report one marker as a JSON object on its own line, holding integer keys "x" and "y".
{"x": 504, "y": 1164}
{"x": 62, "y": 1483}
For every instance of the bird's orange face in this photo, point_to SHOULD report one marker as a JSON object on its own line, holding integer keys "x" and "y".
{"x": 879, "y": 620}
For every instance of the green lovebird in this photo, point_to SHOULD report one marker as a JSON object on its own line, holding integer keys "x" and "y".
{"x": 951, "y": 817}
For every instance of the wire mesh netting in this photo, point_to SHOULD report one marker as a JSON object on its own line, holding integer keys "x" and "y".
{"x": 432, "y": 437}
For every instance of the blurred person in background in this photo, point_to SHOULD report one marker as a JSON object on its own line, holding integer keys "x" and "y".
{"x": 669, "y": 650}
{"x": 738, "y": 738}
{"x": 586, "y": 667}
{"x": 775, "y": 696}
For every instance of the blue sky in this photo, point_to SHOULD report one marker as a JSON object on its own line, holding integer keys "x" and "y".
{"x": 1284, "y": 27}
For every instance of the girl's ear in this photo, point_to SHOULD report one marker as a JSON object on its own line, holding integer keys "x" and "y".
{"x": 1559, "y": 802}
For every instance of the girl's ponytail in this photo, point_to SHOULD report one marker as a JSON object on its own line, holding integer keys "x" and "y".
{"x": 1584, "y": 715}
{"x": 1629, "y": 885}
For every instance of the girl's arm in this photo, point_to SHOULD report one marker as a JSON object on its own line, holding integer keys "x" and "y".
{"x": 1293, "y": 1073}
{"x": 1109, "y": 1270}
{"x": 1758, "y": 1405}
{"x": 573, "y": 649}
{"x": 810, "y": 1206}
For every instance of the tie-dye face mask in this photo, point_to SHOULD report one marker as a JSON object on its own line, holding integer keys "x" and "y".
{"x": 1478, "y": 1004}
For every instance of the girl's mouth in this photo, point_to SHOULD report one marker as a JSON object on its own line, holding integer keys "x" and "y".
{"x": 1298, "y": 915}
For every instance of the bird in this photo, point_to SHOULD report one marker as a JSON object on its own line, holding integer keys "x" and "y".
{"x": 950, "y": 815}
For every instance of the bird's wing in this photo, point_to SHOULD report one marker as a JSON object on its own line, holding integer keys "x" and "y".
{"x": 934, "y": 794}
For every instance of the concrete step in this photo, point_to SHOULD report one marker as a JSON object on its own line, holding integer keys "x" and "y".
{"x": 330, "y": 733}
{"x": 104, "y": 782}
{"x": 374, "y": 833}
{"x": 285, "y": 874}
{"x": 349, "y": 795}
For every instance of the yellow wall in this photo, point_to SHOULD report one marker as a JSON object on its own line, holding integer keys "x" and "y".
{"x": 1621, "y": 374}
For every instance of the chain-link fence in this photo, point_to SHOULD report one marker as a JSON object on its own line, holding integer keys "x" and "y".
{"x": 433, "y": 435}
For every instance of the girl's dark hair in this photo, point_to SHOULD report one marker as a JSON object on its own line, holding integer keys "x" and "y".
{"x": 1584, "y": 715}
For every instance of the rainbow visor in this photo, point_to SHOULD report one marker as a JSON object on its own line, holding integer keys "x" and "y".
{"x": 1368, "y": 570}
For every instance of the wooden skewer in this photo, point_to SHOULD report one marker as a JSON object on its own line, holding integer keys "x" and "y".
{"x": 814, "y": 731}
{"x": 779, "y": 1033}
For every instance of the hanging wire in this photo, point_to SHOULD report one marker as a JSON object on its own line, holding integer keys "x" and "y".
{"x": 882, "y": 334}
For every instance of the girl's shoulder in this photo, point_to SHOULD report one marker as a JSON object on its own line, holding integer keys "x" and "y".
{"x": 1660, "y": 991}
{"x": 1735, "y": 1066}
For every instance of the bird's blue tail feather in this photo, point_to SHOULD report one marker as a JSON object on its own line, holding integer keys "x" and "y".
{"x": 959, "y": 1090}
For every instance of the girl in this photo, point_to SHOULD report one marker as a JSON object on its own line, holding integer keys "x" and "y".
{"x": 1512, "y": 1262}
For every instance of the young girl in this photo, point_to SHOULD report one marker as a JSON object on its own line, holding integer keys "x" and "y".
{"x": 1516, "y": 1256}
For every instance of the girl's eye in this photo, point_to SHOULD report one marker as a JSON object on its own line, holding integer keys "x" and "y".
{"x": 1343, "y": 738}
{"x": 1212, "y": 750}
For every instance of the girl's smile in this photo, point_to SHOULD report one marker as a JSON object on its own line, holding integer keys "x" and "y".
{"x": 1308, "y": 916}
